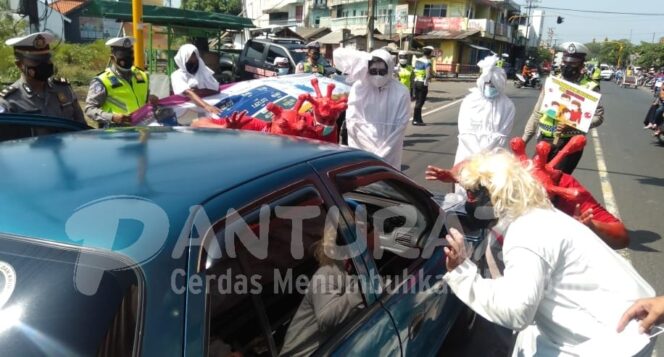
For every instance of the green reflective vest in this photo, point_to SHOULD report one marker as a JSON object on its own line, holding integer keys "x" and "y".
{"x": 422, "y": 66}
{"x": 500, "y": 63}
{"x": 308, "y": 68}
{"x": 123, "y": 97}
{"x": 405, "y": 75}
{"x": 548, "y": 122}
{"x": 597, "y": 74}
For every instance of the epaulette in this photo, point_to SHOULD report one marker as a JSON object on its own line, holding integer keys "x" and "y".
{"x": 7, "y": 91}
{"x": 61, "y": 80}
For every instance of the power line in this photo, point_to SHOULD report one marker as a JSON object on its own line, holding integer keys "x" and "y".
{"x": 600, "y": 12}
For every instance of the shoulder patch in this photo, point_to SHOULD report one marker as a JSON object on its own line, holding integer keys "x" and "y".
{"x": 7, "y": 91}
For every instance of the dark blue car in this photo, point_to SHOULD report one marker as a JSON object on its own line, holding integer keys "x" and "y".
{"x": 179, "y": 242}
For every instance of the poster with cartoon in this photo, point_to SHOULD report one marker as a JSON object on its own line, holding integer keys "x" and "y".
{"x": 569, "y": 103}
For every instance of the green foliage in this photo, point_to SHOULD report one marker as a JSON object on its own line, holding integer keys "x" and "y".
{"x": 650, "y": 55}
{"x": 610, "y": 52}
{"x": 540, "y": 54}
{"x": 81, "y": 62}
{"x": 232, "y": 7}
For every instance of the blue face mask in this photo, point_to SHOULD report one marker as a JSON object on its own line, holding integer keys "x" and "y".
{"x": 490, "y": 92}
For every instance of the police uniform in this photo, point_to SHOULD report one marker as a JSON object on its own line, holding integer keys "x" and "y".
{"x": 57, "y": 99}
{"x": 306, "y": 66}
{"x": 116, "y": 92}
{"x": 572, "y": 52}
{"x": 421, "y": 87}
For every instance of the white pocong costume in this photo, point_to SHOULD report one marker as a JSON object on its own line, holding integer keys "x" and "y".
{"x": 485, "y": 123}
{"x": 560, "y": 288}
{"x": 377, "y": 115}
{"x": 181, "y": 79}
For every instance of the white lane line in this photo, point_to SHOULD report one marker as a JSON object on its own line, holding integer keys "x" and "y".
{"x": 607, "y": 189}
{"x": 440, "y": 108}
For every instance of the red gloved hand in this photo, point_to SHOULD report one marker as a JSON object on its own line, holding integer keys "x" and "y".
{"x": 326, "y": 109}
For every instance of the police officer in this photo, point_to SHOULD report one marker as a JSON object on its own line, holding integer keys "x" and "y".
{"x": 423, "y": 73}
{"x": 574, "y": 56}
{"x": 405, "y": 71}
{"x": 310, "y": 64}
{"x": 121, "y": 89}
{"x": 37, "y": 92}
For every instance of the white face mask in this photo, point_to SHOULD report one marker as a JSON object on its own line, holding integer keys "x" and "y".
{"x": 403, "y": 61}
{"x": 490, "y": 92}
{"x": 282, "y": 71}
{"x": 379, "y": 81}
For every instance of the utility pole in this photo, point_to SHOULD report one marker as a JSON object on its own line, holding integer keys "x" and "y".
{"x": 137, "y": 24}
{"x": 530, "y": 9}
{"x": 370, "y": 26}
{"x": 549, "y": 41}
{"x": 653, "y": 37}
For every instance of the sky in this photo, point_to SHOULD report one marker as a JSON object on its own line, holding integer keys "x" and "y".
{"x": 583, "y": 27}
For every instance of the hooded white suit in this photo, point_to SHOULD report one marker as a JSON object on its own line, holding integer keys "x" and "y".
{"x": 181, "y": 80}
{"x": 377, "y": 117}
{"x": 485, "y": 123}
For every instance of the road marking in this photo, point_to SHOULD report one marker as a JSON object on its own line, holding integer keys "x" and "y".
{"x": 607, "y": 189}
{"x": 440, "y": 108}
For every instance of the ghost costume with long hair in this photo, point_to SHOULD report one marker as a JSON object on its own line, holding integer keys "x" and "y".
{"x": 378, "y": 106}
{"x": 486, "y": 115}
{"x": 181, "y": 79}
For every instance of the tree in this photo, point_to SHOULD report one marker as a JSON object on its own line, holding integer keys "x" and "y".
{"x": 650, "y": 54}
{"x": 233, "y": 7}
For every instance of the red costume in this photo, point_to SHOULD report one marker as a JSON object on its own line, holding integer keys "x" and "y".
{"x": 319, "y": 124}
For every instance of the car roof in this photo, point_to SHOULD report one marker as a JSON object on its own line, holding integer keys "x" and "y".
{"x": 47, "y": 179}
{"x": 281, "y": 41}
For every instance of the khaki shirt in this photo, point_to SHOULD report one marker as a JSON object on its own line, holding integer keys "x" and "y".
{"x": 57, "y": 100}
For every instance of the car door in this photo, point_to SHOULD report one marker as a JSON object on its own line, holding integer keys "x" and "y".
{"x": 273, "y": 315}
{"x": 252, "y": 64}
{"x": 413, "y": 291}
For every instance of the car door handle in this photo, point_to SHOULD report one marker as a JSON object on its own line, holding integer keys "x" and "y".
{"x": 415, "y": 326}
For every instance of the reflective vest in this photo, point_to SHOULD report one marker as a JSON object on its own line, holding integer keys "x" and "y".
{"x": 548, "y": 123}
{"x": 597, "y": 74}
{"x": 500, "y": 63}
{"x": 308, "y": 68}
{"x": 405, "y": 75}
{"x": 121, "y": 96}
{"x": 422, "y": 66}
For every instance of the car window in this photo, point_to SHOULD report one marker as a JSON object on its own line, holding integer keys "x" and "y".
{"x": 49, "y": 306}
{"x": 15, "y": 131}
{"x": 397, "y": 216}
{"x": 274, "y": 52}
{"x": 296, "y": 296}
{"x": 255, "y": 50}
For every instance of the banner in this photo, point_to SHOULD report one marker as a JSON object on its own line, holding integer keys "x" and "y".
{"x": 251, "y": 96}
{"x": 569, "y": 103}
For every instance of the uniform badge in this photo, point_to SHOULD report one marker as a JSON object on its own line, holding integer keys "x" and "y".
{"x": 571, "y": 49}
{"x": 39, "y": 43}
{"x": 62, "y": 97}
{"x": 126, "y": 43}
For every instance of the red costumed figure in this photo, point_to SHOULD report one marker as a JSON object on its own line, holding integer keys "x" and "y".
{"x": 318, "y": 124}
{"x": 566, "y": 193}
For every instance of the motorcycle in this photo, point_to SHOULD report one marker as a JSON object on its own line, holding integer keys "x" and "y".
{"x": 534, "y": 81}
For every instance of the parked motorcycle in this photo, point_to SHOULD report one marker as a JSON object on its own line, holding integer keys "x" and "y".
{"x": 534, "y": 82}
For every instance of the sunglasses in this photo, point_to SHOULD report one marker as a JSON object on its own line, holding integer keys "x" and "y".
{"x": 376, "y": 71}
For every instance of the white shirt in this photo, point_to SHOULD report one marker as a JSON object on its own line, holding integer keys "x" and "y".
{"x": 562, "y": 285}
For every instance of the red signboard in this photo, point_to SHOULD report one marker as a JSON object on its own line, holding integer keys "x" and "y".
{"x": 426, "y": 24}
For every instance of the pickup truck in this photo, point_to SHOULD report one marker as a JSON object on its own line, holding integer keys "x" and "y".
{"x": 257, "y": 58}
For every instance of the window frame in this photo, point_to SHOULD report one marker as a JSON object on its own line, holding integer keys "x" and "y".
{"x": 272, "y": 199}
{"x": 431, "y": 9}
{"x": 139, "y": 332}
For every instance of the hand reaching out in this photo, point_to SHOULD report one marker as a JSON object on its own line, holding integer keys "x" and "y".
{"x": 455, "y": 252}
{"x": 436, "y": 173}
{"x": 649, "y": 311}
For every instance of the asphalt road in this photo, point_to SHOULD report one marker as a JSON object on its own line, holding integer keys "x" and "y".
{"x": 634, "y": 163}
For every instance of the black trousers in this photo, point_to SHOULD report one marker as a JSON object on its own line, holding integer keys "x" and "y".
{"x": 567, "y": 164}
{"x": 421, "y": 92}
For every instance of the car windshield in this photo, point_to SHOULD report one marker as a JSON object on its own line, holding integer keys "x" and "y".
{"x": 61, "y": 301}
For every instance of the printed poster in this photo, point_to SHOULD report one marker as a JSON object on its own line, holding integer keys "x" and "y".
{"x": 569, "y": 103}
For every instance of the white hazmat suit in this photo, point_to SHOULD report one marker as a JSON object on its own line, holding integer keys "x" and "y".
{"x": 484, "y": 122}
{"x": 378, "y": 108}
{"x": 181, "y": 80}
